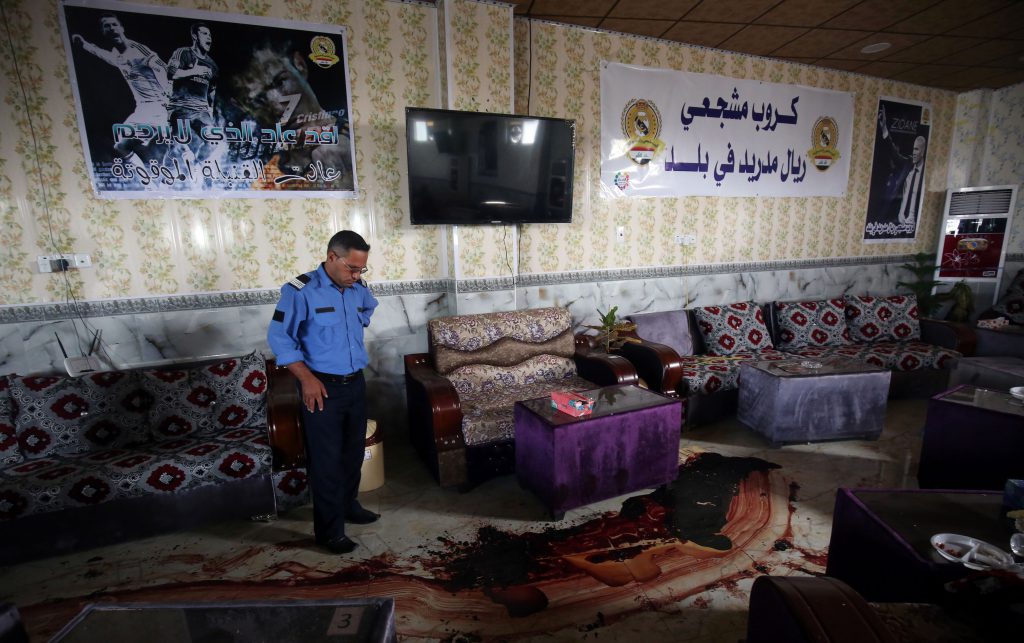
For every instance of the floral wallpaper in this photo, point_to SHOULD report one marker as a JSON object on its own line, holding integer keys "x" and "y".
{"x": 153, "y": 247}
{"x": 727, "y": 229}
{"x": 1004, "y": 153}
{"x": 480, "y": 47}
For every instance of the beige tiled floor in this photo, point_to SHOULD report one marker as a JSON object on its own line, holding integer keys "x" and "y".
{"x": 673, "y": 596}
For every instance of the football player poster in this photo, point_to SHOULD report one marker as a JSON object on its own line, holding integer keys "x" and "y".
{"x": 192, "y": 104}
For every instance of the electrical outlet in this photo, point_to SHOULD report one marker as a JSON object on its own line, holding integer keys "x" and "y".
{"x": 61, "y": 263}
{"x": 620, "y": 234}
{"x": 686, "y": 239}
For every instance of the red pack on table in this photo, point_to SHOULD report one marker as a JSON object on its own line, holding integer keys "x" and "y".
{"x": 574, "y": 404}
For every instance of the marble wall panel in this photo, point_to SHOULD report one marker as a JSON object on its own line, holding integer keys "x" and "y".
{"x": 148, "y": 339}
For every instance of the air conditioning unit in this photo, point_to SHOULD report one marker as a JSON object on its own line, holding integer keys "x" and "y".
{"x": 975, "y": 230}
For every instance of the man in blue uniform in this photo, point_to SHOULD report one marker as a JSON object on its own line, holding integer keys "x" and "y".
{"x": 317, "y": 332}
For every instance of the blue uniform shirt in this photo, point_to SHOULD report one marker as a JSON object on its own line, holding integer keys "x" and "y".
{"x": 321, "y": 324}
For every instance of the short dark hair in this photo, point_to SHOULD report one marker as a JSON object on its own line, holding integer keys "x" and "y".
{"x": 347, "y": 240}
{"x": 196, "y": 26}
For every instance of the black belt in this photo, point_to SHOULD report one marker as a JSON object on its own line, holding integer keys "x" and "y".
{"x": 337, "y": 379}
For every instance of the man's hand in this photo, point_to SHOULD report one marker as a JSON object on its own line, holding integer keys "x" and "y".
{"x": 313, "y": 393}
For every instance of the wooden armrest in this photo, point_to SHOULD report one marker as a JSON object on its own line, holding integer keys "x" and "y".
{"x": 955, "y": 335}
{"x": 657, "y": 364}
{"x": 284, "y": 418}
{"x": 434, "y": 406}
{"x": 600, "y": 367}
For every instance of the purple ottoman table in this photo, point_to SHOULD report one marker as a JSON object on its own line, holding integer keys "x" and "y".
{"x": 806, "y": 400}
{"x": 973, "y": 439}
{"x": 629, "y": 442}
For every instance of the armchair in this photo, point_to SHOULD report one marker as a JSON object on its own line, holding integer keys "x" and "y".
{"x": 461, "y": 393}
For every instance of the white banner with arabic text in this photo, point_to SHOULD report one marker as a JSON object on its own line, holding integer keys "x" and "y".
{"x": 673, "y": 133}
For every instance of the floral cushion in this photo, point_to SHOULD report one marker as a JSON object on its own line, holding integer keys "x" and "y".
{"x": 880, "y": 319}
{"x": 812, "y": 323}
{"x": 709, "y": 374}
{"x": 171, "y": 466}
{"x": 179, "y": 408}
{"x": 896, "y": 356}
{"x": 291, "y": 489}
{"x": 732, "y": 329}
{"x": 1011, "y": 305}
{"x": 473, "y": 332}
{"x": 208, "y": 400}
{"x": 10, "y": 453}
{"x": 72, "y": 415}
{"x": 487, "y": 415}
{"x": 239, "y": 388}
{"x": 484, "y": 378}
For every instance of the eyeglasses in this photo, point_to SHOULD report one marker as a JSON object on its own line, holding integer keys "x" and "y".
{"x": 354, "y": 271}
{"x": 351, "y": 269}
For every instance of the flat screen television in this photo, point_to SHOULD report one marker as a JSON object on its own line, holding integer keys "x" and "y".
{"x": 469, "y": 168}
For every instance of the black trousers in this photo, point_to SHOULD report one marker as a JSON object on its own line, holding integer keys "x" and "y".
{"x": 335, "y": 439}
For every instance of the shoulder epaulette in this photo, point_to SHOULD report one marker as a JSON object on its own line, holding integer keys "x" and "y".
{"x": 299, "y": 281}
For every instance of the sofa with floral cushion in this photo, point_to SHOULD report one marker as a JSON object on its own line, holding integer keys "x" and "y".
{"x": 112, "y": 456}
{"x": 696, "y": 353}
{"x": 461, "y": 393}
{"x": 883, "y": 331}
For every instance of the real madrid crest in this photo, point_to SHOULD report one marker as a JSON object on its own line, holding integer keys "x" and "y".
{"x": 322, "y": 52}
{"x": 824, "y": 143}
{"x": 641, "y": 124}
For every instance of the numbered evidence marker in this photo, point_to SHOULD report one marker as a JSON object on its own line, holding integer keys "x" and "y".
{"x": 345, "y": 621}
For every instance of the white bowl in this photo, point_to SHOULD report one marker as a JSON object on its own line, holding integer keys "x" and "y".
{"x": 971, "y": 552}
{"x": 1017, "y": 392}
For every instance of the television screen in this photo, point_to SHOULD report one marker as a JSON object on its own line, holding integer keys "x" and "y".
{"x": 470, "y": 168}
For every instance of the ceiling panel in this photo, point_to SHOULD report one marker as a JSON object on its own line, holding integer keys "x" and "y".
{"x": 1005, "y": 22}
{"x": 761, "y": 39}
{"x": 804, "y": 13}
{"x": 933, "y": 42}
{"x": 653, "y": 9}
{"x": 875, "y": 15}
{"x": 708, "y": 34}
{"x": 728, "y": 10}
{"x": 820, "y": 42}
{"x": 898, "y": 42}
{"x": 946, "y": 15}
{"x": 653, "y": 28}
{"x": 985, "y": 52}
{"x": 933, "y": 49}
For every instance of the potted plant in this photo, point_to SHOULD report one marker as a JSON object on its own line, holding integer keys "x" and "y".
{"x": 929, "y": 301}
{"x": 923, "y": 268}
{"x": 963, "y": 302}
{"x": 609, "y": 332}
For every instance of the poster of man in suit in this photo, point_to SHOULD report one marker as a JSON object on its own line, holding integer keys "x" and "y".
{"x": 897, "y": 187}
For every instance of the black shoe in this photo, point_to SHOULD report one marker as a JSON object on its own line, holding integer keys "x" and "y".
{"x": 341, "y": 545}
{"x": 361, "y": 516}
